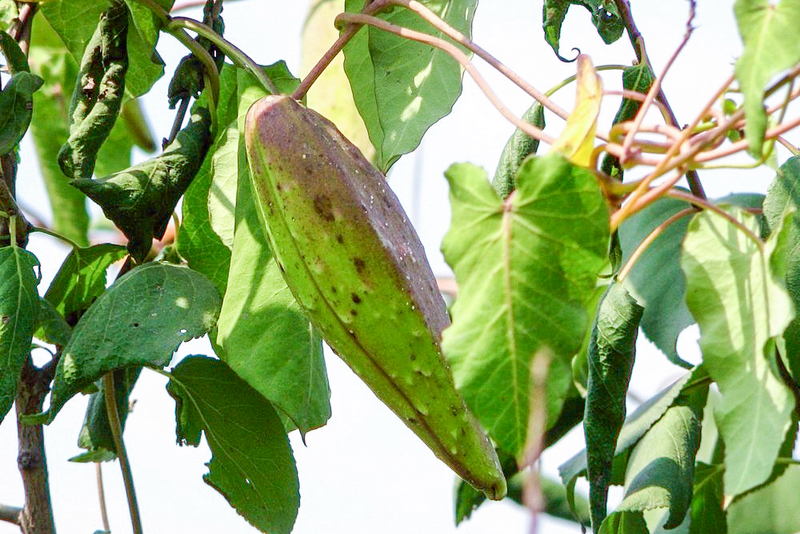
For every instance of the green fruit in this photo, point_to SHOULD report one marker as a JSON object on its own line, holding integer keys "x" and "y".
{"x": 355, "y": 264}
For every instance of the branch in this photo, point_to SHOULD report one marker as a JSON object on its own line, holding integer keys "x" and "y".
{"x": 37, "y": 515}
{"x": 637, "y": 41}
{"x": 10, "y": 514}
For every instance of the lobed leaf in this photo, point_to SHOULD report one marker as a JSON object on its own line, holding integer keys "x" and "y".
{"x": 252, "y": 464}
{"x": 139, "y": 321}
{"x": 735, "y": 291}
{"x": 664, "y": 296}
{"x": 768, "y": 32}
{"x": 526, "y": 269}
{"x": 401, "y": 87}
{"x": 19, "y": 306}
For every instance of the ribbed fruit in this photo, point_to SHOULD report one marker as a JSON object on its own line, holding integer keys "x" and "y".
{"x": 355, "y": 264}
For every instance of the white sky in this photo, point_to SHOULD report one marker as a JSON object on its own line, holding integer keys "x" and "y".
{"x": 365, "y": 472}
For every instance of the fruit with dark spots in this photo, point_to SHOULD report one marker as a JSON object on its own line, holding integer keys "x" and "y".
{"x": 330, "y": 215}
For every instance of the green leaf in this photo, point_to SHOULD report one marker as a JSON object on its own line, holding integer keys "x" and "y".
{"x": 785, "y": 192}
{"x": 197, "y": 241}
{"x": 139, "y": 321}
{"x": 229, "y": 163}
{"x": 96, "y": 436}
{"x": 402, "y": 87}
{"x": 635, "y": 425}
{"x": 50, "y": 128}
{"x": 638, "y": 78}
{"x": 116, "y": 152}
{"x": 735, "y": 291}
{"x": 611, "y": 355}
{"x": 768, "y": 31}
{"x": 518, "y": 147}
{"x": 252, "y": 463}
{"x": 707, "y": 513}
{"x": 661, "y": 466}
{"x": 16, "y": 109}
{"x": 19, "y": 304}
{"x": 663, "y": 296}
{"x": 52, "y": 326}
{"x": 206, "y": 232}
{"x": 140, "y": 200}
{"x": 74, "y": 21}
{"x": 769, "y": 510}
{"x": 624, "y": 523}
{"x": 526, "y": 269}
{"x": 264, "y": 335}
{"x": 8, "y": 14}
{"x": 605, "y": 17}
{"x": 82, "y": 279}
{"x": 16, "y": 60}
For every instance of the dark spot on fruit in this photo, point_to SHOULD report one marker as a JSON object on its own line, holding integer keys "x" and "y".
{"x": 352, "y": 334}
{"x": 280, "y": 266}
{"x": 359, "y": 264}
{"x": 278, "y": 186}
{"x": 135, "y": 325}
{"x": 324, "y": 207}
{"x": 412, "y": 420}
{"x": 454, "y": 409}
{"x": 339, "y": 238}
{"x": 353, "y": 313}
{"x": 356, "y": 299}
{"x": 333, "y": 289}
{"x": 413, "y": 357}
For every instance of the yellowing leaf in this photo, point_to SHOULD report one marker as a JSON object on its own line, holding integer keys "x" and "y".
{"x": 576, "y": 142}
{"x": 331, "y": 95}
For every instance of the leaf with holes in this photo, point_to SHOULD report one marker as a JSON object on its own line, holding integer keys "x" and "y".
{"x": 139, "y": 321}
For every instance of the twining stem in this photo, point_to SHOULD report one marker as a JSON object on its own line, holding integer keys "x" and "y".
{"x": 433, "y": 19}
{"x": 652, "y": 236}
{"x": 212, "y": 76}
{"x": 102, "y": 496}
{"x": 109, "y": 392}
{"x": 705, "y": 204}
{"x": 637, "y": 41}
{"x": 229, "y": 49}
{"x": 458, "y": 55}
